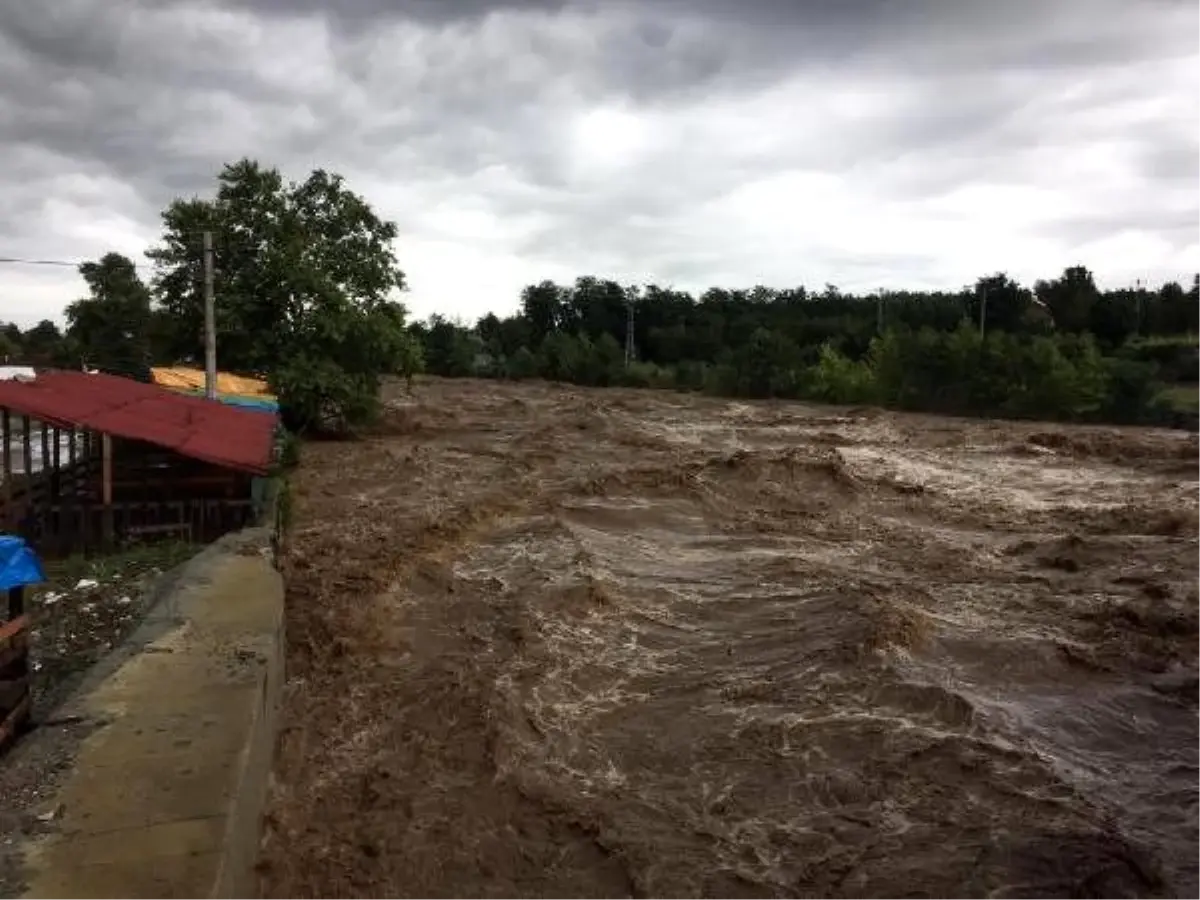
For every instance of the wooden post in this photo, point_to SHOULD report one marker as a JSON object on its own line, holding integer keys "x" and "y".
{"x": 57, "y": 437}
{"x": 106, "y": 487}
{"x": 6, "y": 474}
{"x": 14, "y": 669}
{"x": 72, "y": 459}
{"x": 26, "y": 448}
{"x": 45, "y": 451}
{"x": 87, "y": 487}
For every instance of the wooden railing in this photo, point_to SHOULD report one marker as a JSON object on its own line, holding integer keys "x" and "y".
{"x": 93, "y": 492}
{"x": 56, "y": 529}
{"x": 15, "y": 698}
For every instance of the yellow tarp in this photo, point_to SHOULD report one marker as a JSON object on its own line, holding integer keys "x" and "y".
{"x": 179, "y": 378}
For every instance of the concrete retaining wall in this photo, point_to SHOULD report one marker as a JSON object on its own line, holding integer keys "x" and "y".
{"x": 164, "y": 791}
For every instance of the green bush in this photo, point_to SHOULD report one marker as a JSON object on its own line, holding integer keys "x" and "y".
{"x": 647, "y": 375}
{"x": 287, "y": 451}
{"x": 1132, "y": 393}
{"x": 838, "y": 379}
{"x": 521, "y": 365}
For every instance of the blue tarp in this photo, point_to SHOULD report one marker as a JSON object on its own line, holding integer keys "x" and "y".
{"x": 242, "y": 401}
{"x": 256, "y": 404}
{"x": 19, "y": 565}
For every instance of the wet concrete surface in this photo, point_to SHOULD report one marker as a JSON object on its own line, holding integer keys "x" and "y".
{"x": 149, "y": 780}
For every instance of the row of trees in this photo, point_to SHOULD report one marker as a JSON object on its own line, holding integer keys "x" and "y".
{"x": 1062, "y": 349}
{"x": 307, "y": 278}
{"x": 672, "y": 326}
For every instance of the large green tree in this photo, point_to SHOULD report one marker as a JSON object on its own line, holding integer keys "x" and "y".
{"x": 1005, "y": 304}
{"x": 1069, "y": 298}
{"x": 449, "y": 349}
{"x": 10, "y": 343}
{"x": 44, "y": 345}
{"x": 109, "y": 328}
{"x": 306, "y": 283}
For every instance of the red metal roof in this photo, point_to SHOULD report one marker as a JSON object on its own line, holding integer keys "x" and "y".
{"x": 203, "y": 429}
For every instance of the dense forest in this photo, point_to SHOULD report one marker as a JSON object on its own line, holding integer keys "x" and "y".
{"x": 307, "y": 283}
{"x": 1062, "y": 349}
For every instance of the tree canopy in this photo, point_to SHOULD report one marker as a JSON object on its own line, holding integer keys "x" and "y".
{"x": 308, "y": 287}
{"x": 110, "y": 328}
{"x": 308, "y": 280}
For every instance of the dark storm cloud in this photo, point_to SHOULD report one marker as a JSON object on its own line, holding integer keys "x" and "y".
{"x": 1175, "y": 160}
{"x": 946, "y": 35}
{"x": 369, "y": 13}
{"x": 102, "y": 85}
{"x": 905, "y": 99}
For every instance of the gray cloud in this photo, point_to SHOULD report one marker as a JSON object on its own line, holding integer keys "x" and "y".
{"x": 437, "y": 105}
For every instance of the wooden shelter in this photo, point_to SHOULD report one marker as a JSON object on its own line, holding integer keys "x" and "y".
{"x": 91, "y": 459}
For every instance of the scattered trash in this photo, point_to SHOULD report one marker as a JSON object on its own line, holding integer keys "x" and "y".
{"x": 52, "y": 814}
{"x": 83, "y": 609}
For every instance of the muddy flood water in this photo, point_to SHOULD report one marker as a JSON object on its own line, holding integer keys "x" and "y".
{"x": 546, "y": 641}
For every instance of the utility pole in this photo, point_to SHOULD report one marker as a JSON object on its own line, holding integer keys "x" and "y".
{"x": 879, "y": 313}
{"x": 628, "y": 332}
{"x": 210, "y": 323}
{"x": 1137, "y": 305}
{"x": 982, "y": 309}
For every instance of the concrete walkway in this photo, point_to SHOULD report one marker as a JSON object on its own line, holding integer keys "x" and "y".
{"x": 164, "y": 795}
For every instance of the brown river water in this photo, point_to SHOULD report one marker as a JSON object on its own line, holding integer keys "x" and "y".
{"x": 545, "y": 641}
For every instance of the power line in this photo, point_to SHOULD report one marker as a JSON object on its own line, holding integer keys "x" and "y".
{"x": 224, "y": 242}
{"x": 16, "y": 260}
{"x": 59, "y": 263}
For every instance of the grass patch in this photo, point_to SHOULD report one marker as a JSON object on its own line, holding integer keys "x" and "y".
{"x": 128, "y": 562}
{"x": 1166, "y": 340}
{"x": 1183, "y": 398}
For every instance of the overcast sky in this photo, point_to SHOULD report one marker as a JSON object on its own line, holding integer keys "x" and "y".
{"x": 867, "y": 143}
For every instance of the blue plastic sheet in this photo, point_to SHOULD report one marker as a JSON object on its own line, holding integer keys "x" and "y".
{"x": 19, "y": 565}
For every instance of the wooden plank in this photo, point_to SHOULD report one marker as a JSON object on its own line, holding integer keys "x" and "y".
{"x": 168, "y": 479}
{"x": 14, "y": 640}
{"x": 106, "y": 466}
{"x": 7, "y": 473}
{"x": 45, "y": 451}
{"x": 71, "y": 526}
{"x": 184, "y": 529}
{"x": 125, "y": 506}
{"x": 13, "y": 723}
{"x": 106, "y": 487}
{"x": 13, "y": 689}
{"x": 27, "y": 447}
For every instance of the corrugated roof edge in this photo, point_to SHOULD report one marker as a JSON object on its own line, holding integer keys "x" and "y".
{"x": 212, "y": 432}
